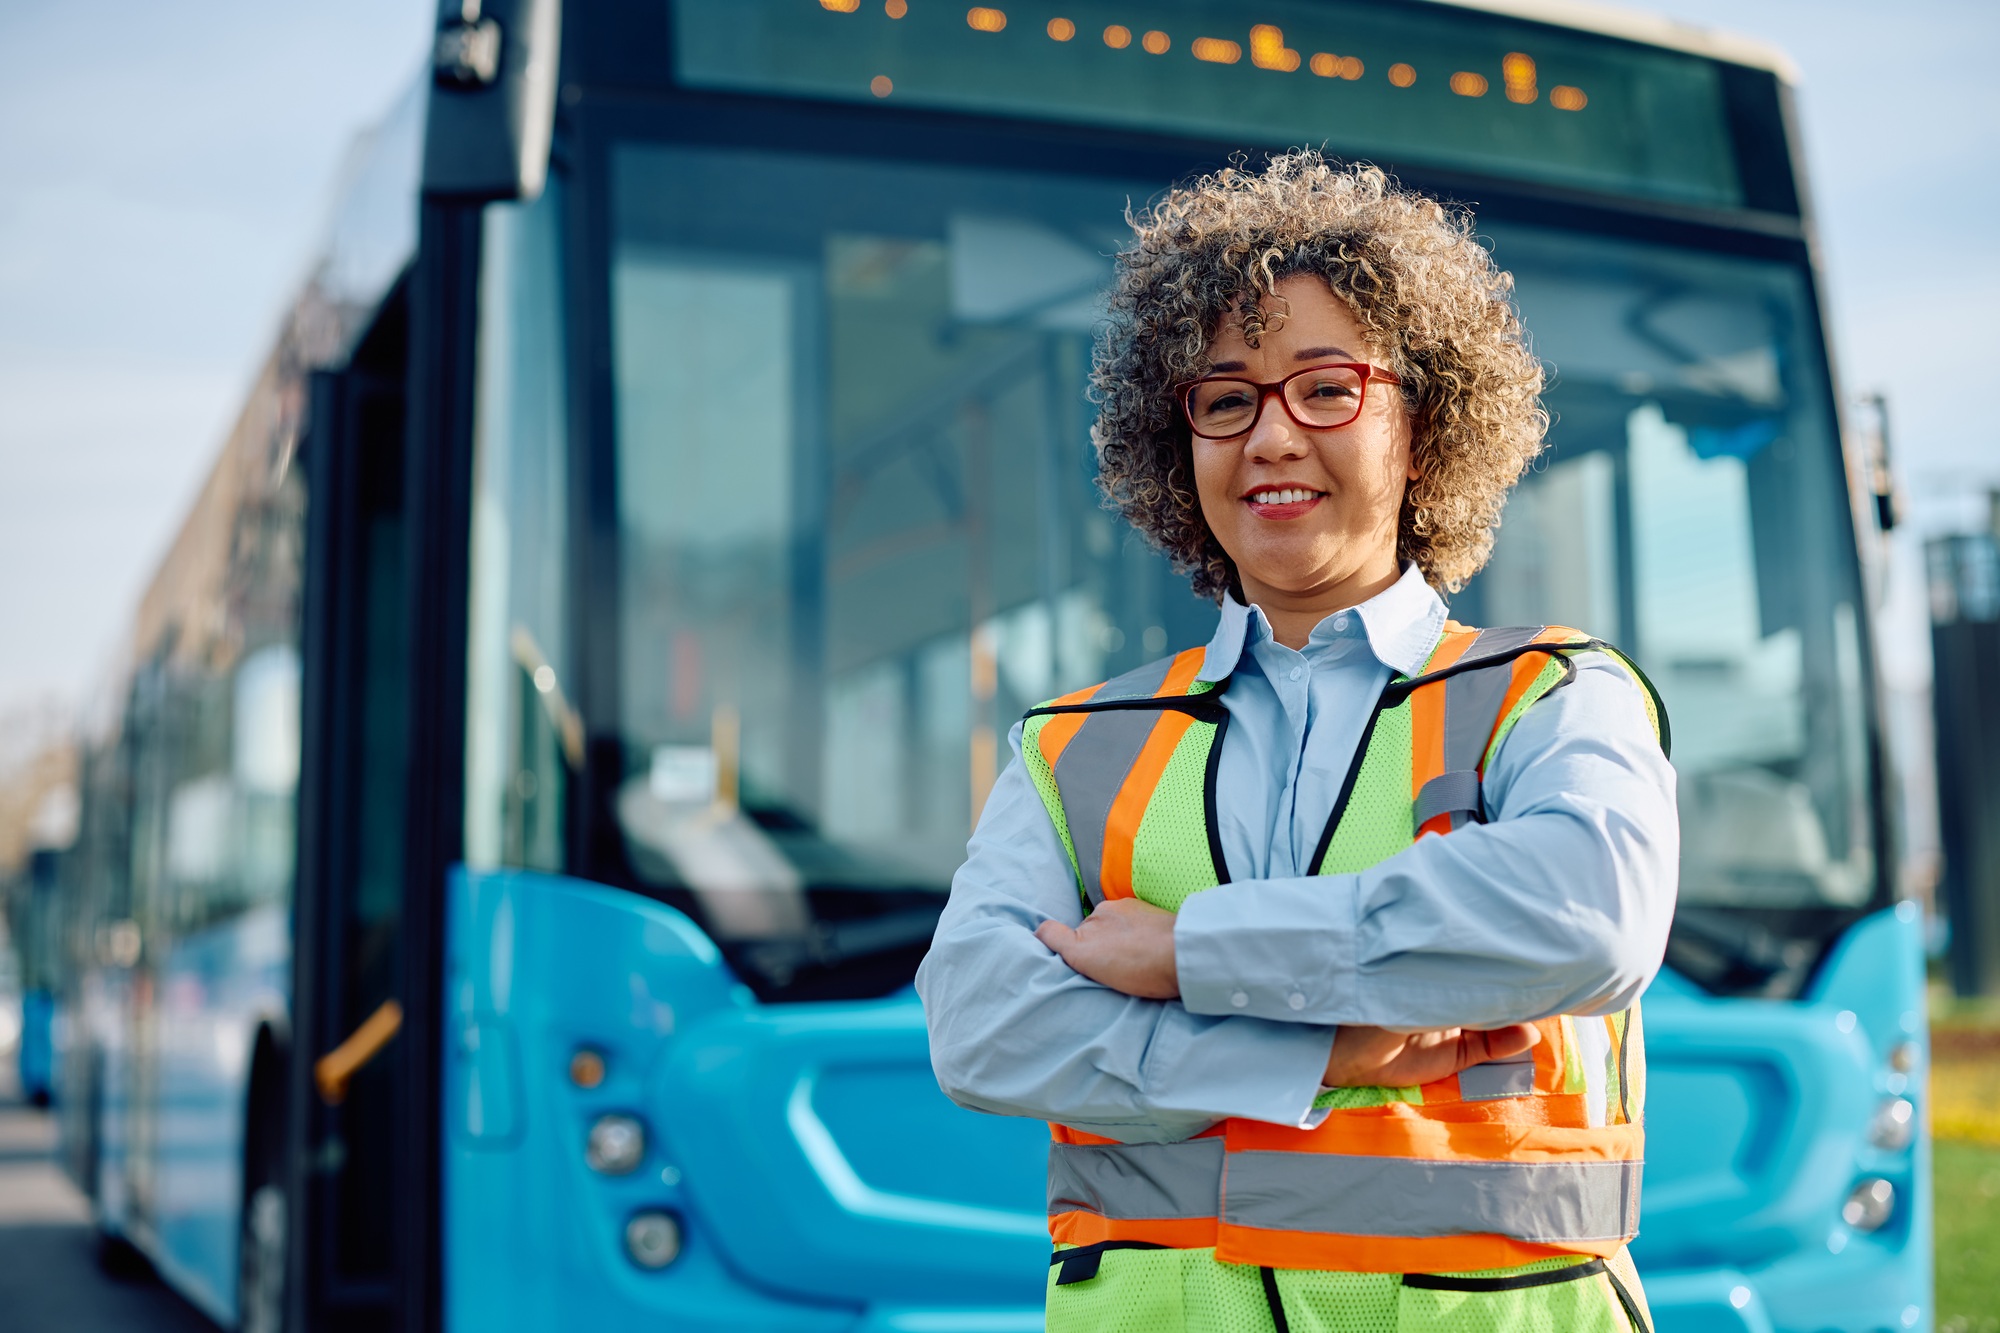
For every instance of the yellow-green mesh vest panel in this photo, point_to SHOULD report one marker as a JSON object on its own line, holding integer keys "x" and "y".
{"x": 1170, "y": 856}
{"x": 1376, "y": 822}
{"x": 1044, "y": 779}
{"x": 1188, "y": 1291}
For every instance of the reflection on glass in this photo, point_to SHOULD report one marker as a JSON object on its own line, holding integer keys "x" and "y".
{"x": 522, "y": 738}
{"x": 1694, "y": 511}
{"x": 858, "y": 530}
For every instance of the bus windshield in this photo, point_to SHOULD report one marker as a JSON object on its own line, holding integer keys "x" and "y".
{"x": 1693, "y": 508}
{"x": 858, "y": 536}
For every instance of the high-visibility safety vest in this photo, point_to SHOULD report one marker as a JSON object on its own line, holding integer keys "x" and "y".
{"x": 1504, "y": 1163}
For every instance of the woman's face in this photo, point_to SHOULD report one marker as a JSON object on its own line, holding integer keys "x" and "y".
{"x": 1332, "y": 539}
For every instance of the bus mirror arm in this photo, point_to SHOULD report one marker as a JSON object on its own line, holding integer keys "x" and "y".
{"x": 332, "y": 1071}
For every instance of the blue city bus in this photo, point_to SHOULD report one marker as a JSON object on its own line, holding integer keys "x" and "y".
{"x": 540, "y": 760}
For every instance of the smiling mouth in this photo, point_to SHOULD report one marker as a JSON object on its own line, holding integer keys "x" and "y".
{"x": 1283, "y": 502}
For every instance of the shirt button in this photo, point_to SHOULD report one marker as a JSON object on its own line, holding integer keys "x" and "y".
{"x": 1240, "y": 1000}
{"x": 1298, "y": 672}
{"x": 1340, "y": 623}
{"x": 1297, "y": 1002}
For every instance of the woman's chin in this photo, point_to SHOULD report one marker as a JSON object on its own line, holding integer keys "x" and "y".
{"x": 1290, "y": 569}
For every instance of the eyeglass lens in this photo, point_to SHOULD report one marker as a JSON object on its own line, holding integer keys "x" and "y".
{"x": 1320, "y": 397}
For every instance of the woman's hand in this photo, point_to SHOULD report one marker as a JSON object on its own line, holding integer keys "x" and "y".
{"x": 1365, "y": 1057}
{"x": 1125, "y": 944}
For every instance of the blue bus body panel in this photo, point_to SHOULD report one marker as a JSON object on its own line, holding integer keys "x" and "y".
{"x": 1756, "y": 1130}
{"x": 821, "y": 1179}
{"x": 823, "y": 1182}
{"x": 170, "y": 1165}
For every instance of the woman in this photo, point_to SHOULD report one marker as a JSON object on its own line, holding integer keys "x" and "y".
{"x": 1319, "y": 946}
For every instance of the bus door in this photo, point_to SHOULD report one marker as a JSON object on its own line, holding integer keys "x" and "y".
{"x": 343, "y": 1212}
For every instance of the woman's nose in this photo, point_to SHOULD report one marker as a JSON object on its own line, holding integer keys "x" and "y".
{"x": 1274, "y": 436}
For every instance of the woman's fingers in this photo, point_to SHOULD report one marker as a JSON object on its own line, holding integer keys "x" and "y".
{"x": 1056, "y": 935}
{"x": 1126, "y": 945}
{"x": 1367, "y": 1056}
{"x": 1499, "y": 1043}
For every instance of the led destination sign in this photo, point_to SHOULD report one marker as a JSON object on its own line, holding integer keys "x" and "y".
{"x": 1404, "y": 83}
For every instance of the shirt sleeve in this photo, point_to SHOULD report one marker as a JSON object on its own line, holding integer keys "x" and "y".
{"x": 1015, "y": 1031}
{"x": 1559, "y": 905}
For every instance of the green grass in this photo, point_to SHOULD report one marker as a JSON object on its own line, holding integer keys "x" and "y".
{"x": 1968, "y": 1238}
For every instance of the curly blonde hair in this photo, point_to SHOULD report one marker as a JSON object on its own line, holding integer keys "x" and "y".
{"x": 1428, "y": 294}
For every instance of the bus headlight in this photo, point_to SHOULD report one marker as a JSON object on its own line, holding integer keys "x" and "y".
{"x": 1869, "y": 1206}
{"x": 653, "y": 1239}
{"x": 616, "y": 1145}
{"x": 1894, "y": 1123}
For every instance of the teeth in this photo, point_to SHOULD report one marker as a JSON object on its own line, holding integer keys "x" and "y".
{"x": 1285, "y": 497}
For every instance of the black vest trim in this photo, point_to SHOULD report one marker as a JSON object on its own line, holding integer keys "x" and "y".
{"x": 1080, "y": 1263}
{"x": 1548, "y": 1277}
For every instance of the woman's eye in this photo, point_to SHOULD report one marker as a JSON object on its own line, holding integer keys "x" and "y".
{"x": 1328, "y": 391}
{"x": 1230, "y": 400}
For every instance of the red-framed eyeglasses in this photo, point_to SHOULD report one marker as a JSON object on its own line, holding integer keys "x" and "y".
{"x": 1221, "y": 407}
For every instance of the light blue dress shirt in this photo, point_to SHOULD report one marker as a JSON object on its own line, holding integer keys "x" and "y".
{"x": 1559, "y": 904}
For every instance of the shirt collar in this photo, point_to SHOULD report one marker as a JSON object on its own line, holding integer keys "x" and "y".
{"x": 1402, "y": 623}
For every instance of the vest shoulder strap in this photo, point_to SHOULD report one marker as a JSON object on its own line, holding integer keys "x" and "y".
{"x": 1450, "y": 719}
{"x": 1161, "y": 684}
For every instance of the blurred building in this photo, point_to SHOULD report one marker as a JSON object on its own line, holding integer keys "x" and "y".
{"x": 1964, "y": 576}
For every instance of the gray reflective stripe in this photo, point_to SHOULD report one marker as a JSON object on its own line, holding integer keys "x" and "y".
{"x": 1541, "y": 1202}
{"x": 1471, "y": 709}
{"x": 1138, "y": 683}
{"x": 1136, "y": 1180}
{"x": 1498, "y": 1078}
{"x": 1456, "y": 791}
{"x": 1493, "y": 642}
{"x": 1092, "y": 768}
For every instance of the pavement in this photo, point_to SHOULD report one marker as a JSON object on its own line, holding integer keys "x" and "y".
{"x": 50, "y": 1278}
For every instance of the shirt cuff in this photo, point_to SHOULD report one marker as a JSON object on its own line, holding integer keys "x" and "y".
{"x": 1261, "y": 1071}
{"x": 1282, "y": 949}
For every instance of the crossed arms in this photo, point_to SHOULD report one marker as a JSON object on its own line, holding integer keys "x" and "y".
{"x": 1140, "y": 1029}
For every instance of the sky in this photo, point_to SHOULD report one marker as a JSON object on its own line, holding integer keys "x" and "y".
{"x": 164, "y": 174}
{"x": 163, "y": 183}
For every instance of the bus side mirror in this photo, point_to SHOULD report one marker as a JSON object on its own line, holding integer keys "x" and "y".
{"x": 492, "y": 99}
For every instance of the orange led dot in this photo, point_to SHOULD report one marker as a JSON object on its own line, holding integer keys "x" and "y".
{"x": 1350, "y": 67}
{"x": 1517, "y": 71}
{"x": 1118, "y": 37}
{"x": 880, "y": 85}
{"x": 1325, "y": 64}
{"x": 895, "y": 9}
{"x": 983, "y": 19}
{"x": 1061, "y": 29}
{"x": 1268, "y": 49}
{"x": 586, "y": 1067}
{"x": 1402, "y": 75}
{"x": 840, "y": 6}
{"x": 1467, "y": 84}
{"x": 1565, "y": 98}
{"x": 1216, "y": 51}
{"x": 1156, "y": 42}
